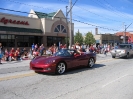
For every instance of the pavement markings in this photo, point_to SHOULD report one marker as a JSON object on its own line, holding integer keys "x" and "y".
{"x": 104, "y": 60}
{"x": 17, "y": 76}
{"x": 32, "y": 74}
{"x": 114, "y": 81}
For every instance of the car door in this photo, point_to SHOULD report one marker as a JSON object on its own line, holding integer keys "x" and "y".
{"x": 80, "y": 60}
{"x": 84, "y": 59}
{"x": 76, "y": 61}
{"x": 69, "y": 60}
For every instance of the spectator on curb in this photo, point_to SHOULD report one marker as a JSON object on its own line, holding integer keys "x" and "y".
{"x": 11, "y": 55}
{"x": 1, "y": 53}
{"x": 32, "y": 47}
{"x": 42, "y": 48}
{"x": 6, "y": 55}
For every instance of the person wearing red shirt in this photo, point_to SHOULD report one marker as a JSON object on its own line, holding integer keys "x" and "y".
{"x": 17, "y": 54}
{"x": 6, "y": 55}
{"x": 12, "y": 54}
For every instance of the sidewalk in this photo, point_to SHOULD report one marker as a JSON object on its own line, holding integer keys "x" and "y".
{"x": 14, "y": 66}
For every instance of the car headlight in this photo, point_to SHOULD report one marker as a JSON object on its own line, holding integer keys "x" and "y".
{"x": 123, "y": 51}
{"x": 49, "y": 61}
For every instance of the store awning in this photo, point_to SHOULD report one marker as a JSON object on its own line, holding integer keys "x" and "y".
{"x": 45, "y": 15}
{"x": 16, "y": 29}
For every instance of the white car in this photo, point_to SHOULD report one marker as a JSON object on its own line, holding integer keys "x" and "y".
{"x": 124, "y": 50}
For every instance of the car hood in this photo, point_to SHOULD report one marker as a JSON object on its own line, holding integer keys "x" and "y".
{"x": 44, "y": 59}
{"x": 117, "y": 50}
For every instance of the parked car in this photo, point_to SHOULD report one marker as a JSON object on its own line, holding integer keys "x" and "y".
{"x": 123, "y": 50}
{"x": 62, "y": 60}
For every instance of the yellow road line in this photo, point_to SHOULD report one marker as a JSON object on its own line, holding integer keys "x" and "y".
{"x": 17, "y": 76}
{"x": 104, "y": 60}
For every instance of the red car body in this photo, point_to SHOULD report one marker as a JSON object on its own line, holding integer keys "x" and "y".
{"x": 50, "y": 63}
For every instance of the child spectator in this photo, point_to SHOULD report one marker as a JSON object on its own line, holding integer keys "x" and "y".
{"x": 17, "y": 54}
{"x": 35, "y": 53}
{"x": 11, "y": 55}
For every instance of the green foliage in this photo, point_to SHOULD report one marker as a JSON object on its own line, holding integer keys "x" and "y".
{"x": 78, "y": 38}
{"x": 89, "y": 39}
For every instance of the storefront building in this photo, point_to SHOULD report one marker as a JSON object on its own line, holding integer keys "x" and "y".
{"x": 38, "y": 28}
{"x": 107, "y": 39}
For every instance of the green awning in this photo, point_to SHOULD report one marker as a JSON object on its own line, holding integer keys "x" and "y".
{"x": 45, "y": 15}
{"x": 16, "y": 29}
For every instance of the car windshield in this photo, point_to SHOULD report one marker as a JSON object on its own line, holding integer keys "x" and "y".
{"x": 64, "y": 52}
{"x": 124, "y": 46}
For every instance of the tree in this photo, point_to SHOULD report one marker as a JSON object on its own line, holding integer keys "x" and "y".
{"x": 78, "y": 38}
{"x": 89, "y": 39}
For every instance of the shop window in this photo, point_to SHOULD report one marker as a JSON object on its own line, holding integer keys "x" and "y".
{"x": 9, "y": 37}
{"x": 7, "y": 40}
{"x": 19, "y": 38}
{"x": 11, "y": 44}
{"x": 26, "y": 38}
{"x": 3, "y": 36}
{"x": 27, "y": 41}
{"x": 13, "y": 36}
{"x": 51, "y": 40}
{"x": 60, "y": 29}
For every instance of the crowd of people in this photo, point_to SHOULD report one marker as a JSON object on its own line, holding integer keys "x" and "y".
{"x": 36, "y": 50}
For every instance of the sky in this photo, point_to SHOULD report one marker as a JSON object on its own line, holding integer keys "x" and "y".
{"x": 109, "y": 16}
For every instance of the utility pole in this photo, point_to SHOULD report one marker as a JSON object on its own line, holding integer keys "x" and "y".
{"x": 125, "y": 33}
{"x": 71, "y": 39}
{"x": 67, "y": 26}
{"x": 70, "y": 28}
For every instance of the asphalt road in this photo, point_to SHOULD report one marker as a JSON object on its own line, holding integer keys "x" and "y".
{"x": 108, "y": 79}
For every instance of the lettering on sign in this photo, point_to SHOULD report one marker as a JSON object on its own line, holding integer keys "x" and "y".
{"x": 5, "y": 21}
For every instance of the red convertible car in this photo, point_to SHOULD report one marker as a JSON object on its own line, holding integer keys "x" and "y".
{"x": 62, "y": 60}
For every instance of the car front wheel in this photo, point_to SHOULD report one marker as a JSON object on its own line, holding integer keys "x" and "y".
{"x": 91, "y": 62}
{"x": 127, "y": 56}
{"x": 113, "y": 56}
{"x": 61, "y": 68}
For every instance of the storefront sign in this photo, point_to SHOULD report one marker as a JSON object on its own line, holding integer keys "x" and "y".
{"x": 5, "y": 21}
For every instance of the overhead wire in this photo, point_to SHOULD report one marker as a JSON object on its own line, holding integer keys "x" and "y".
{"x": 90, "y": 12}
{"x": 28, "y": 4}
{"x": 67, "y": 2}
{"x": 54, "y": 10}
{"x": 62, "y": 18}
{"x": 37, "y": 6}
{"x": 115, "y": 11}
{"x": 93, "y": 12}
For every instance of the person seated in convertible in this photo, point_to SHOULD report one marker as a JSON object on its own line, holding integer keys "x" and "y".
{"x": 78, "y": 52}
